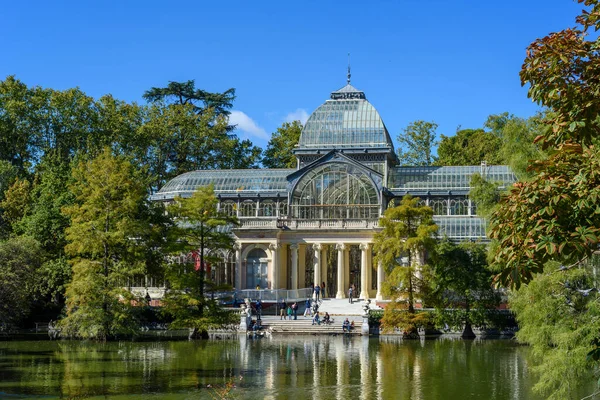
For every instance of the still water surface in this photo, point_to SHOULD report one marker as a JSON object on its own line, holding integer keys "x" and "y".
{"x": 298, "y": 367}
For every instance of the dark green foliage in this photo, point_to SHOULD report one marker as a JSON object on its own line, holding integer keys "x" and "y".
{"x": 417, "y": 143}
{"x": 20, "y": 259}
{"x": 484, "y": 194}
{"x": 279, "y": 152}
{"x": 186, "y": 93}
{"x": 469, "y": 147}
{"x": 461, "y": 279}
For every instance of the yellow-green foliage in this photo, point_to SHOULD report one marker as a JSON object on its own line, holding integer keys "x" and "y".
{"x": 559, "y": 321}
{"x": 397, "y": 316}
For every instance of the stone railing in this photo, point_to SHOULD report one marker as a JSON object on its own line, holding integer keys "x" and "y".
{"x": 301, "y": 224}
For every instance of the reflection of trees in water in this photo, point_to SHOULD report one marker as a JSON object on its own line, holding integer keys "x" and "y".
{"x": 282, "y": 367}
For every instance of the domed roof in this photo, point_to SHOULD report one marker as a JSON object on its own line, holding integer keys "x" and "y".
{"x": 346, "y": 120}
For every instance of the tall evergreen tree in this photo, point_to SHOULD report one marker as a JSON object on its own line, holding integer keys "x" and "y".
{"x": 407, "y": 233}
{"x": 104, "y": 246}
{"x": 198, "y": 233}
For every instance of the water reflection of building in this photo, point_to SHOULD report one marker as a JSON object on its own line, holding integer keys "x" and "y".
{"x": 315, "y": 222}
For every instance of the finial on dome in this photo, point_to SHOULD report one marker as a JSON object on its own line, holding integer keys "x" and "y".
{"x": 349, "y": 75}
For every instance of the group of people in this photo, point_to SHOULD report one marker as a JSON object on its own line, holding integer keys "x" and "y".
{"x": 288, "y": 311}
{"x": 318, "y": 291}
{"x": 326, "y": 319}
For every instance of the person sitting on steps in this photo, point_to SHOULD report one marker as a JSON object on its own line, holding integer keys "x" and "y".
{"x": 316, "y": 319}
{"x": 346, "y": 326}
{"x": 327, "y": 318}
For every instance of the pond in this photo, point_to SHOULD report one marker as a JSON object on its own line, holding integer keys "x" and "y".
{"x": 297, "y": 367}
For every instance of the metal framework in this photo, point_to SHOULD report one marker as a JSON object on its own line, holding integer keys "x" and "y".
{"x": 333, "y": 192}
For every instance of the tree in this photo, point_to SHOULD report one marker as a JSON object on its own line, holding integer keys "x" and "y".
{"x": 462, "y": 280}
{"x": 517, "y": 137}
{"x": 218, "y": 104}
{"x": 104, "y": 246}
{"x": 16, "y": 131}
{"x": 179, "y": 140}
{"x": 559, "y": 318}
{"x": 407, "y": 233}
{"x": 198, "y": 232}
{"x": 554, "y": 217}
{"x": 484, "y": 194}
{"x": 20, "y": 259}
{"x": 469, "y": 147}
{"x": 416, "y": 143}
{"x": 279, "y": 152}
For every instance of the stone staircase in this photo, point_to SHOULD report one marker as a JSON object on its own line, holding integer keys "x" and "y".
{"x": 304, "y": 326}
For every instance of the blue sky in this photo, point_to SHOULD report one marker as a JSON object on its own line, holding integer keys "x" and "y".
{"x": 452, "y": 62}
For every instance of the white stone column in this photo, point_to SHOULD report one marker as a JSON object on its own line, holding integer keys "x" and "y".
{"x": 317, "y": 247}
{"x": 238, "y": 266}
{"x": 364, "y": 290}
{"x": 324, "y": 262}
{"x": 274, "y": 247}
{"x": 380, "y": 279}
{"x": 294, "y": 249}
{"x": 340, "y": 247}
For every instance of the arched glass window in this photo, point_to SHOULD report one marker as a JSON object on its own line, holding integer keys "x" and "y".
{"x": 335, "y": 191}
{"x": 459, "y": 207}
{"x": 248, "y": 209}
{"x": 440, "y": 207}
{"x": 229, "y": 208}
{"x": 283, "y": 209}
{"x": 267, "y": 208}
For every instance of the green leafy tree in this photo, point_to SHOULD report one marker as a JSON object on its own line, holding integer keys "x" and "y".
{"x": 469, "y": 147}
{"x": 16, "y": 131}
{"x": 179, "y": 140}
{"x": 198, "y": 232}
{"x": 417, "y": 142}
{"x": 279, "y": 152}
{"x": 13, "y": 206}
{"x": 462, "y": 280}
{"x": 20, "y": 258}
{"x": 559, "y": 318}
{"x": 182, "y": 93}
{"x": 554, "y": 217}
{"x": 104, "y": 247}
{"x": 407, "y": 233}
{"x": 484, "y": 194}
{"x": 518, "y": 147}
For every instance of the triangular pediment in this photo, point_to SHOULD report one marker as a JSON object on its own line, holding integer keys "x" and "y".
{"x": 332, "y": 157}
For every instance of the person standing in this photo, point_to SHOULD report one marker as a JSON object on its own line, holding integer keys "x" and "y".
{"x": 258, "y": 307}
{"x": 317, "y": 291}
{"x": 307, "y": 308}
{"x": 323, "y": 290}
{"x": 295, "y": 310}
{"x": 282, "y": 310}
{"x": 289, "y": 312}
{"x": 350, "y": 293}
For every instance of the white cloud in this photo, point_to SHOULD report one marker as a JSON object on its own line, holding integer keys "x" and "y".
{"x": 247, "y": 125}
{"x": 300, "y": 114}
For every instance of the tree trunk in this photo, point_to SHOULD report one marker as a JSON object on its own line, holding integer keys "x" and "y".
{"x": 468, "y": 331}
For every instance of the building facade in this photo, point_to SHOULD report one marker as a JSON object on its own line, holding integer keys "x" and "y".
{"x": 315, "y": 223}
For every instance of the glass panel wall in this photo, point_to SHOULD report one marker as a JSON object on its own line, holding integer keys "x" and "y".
{"x": 332, "y": 192}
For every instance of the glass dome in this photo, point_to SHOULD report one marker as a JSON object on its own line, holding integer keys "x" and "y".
{"x": 346, "y": 120}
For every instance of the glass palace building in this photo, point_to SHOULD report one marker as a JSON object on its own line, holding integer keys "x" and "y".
{"x": 315, "y": 223}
